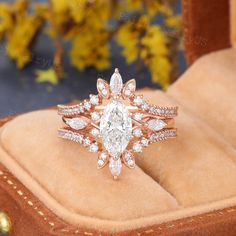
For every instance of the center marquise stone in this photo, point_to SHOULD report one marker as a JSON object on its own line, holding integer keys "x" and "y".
{"x": 115, "y": 128}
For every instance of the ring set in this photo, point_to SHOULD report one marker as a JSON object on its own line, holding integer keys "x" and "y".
{"x": 116, "y": 123}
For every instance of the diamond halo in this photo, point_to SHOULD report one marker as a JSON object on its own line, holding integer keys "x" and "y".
{"x": 123, "y": 127}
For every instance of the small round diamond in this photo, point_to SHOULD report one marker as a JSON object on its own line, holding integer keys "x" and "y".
{"x": 93, "y": 147}
{"x": 145, "y": 142}
{"x": 95, "y": 132}
{"x": 153, "y": 137}
{"x": 138, "y": 100}
{"x": 130, "y": 163}
{"x": 86, "y": 142}
{"x": 145, "y": 106}
{"x": 95, "y": 116}
{"x": 137, "y": 147}
{"x": 80, "y": 138}
{"x": 87, "y": 105}
{"x": 157, "y": 110}
{"x": 81, "y": 109}
{"x": 94, "y": 100}
{"x": 138, "y": 116}
{"x": 137, "y": 132}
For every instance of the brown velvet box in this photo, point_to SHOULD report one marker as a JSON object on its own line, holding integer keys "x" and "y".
{"x": 180, "y": 187}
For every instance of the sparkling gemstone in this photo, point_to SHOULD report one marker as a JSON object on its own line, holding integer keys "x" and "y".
{"x": 95, "y": 116}
{"x": 137, "y": 147}
{"x": 130, "y": 163}
{"x": 127, "y": 156}
{"x": 158, "y": 110}
{"x": 103, "y": 88}
{"x": 144, "y": 142}
{"x": 127, "y": 92}
{"x": 95, "y": 132}
{"x": 76, "y": 123}
{"x": 129, "y": 88}
{"x": 93, "y": 147}
{"x": 153, "y": 137}
{"x": 81, "y": 108}
{"x": 102, "y": 159}
{"x": 75, "y": 110}
{"x": 103, "y": 156}
{"x": 156, "y": 124}
{"x": 100, "y": 163}
{"x": 80, "y": 138}
{"x": 101, "y": 85}
{"x": 115, "y": 128}
{"x": 94, "y": 100}
{"x": 115, "y": 167}
{"x": 104, "y": 92}
{"x": 137, "y": 132}
{"x": 116, "y": 83}
{"x": 86, "y": 142}
{"x": 131, "y": 85}
{"x": 138, "y": 100}
{"x": 129, "y": 159}
{"x": 145, "y": 106}
{"x": 138, "y": 116}
{"x": 87, "y": 105}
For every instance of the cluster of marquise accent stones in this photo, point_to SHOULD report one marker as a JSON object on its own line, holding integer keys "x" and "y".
{"x": 114, "y": 131}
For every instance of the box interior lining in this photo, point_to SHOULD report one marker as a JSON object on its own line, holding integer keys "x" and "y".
{"x": 174, "y": 178}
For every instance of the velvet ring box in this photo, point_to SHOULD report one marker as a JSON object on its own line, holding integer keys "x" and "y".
{"x": 186, "y": 186}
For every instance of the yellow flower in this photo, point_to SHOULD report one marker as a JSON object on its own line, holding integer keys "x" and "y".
{"x": 174, "y": 21}
{"x": 160, "y": 69}
{"x": 128, "y": 40}
{"x": 90, "y": 49}
{"x": 60, "y": 6}
{"x": 128, "y": 37}
{"x": 46, "y": 76}
{"x": 20, "y": 38}
{"x": 155, "y": 39}
{"x": 6, "y": 21}
{"x": 154, "y": 53}
{"x": 77, "y": 9}
{"x": 42, "y": 10}
{"x": 20, "y": 6}
{"x": 88, "y": 25}
{"x": 134, "y": 5}
{"x": 153, "y": 7}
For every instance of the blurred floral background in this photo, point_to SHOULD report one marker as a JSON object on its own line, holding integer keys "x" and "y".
{"x": 53, "y": 51}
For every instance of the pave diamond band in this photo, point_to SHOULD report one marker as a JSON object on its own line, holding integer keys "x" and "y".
{"x": 124, "y": 126}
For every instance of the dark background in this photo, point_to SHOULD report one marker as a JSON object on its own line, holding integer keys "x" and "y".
{"x": 20, "y": 93}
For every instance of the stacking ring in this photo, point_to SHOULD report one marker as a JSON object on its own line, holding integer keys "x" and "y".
{"x": 116, "y": 123}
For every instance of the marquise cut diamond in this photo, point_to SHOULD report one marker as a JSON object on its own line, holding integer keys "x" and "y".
{"x": 115, "y": 167}
{"x": 156, "y": 124}
{"x": 76, "y": 123}
{"x": 116, "y": 83}
{"x": 116, "y": 128}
